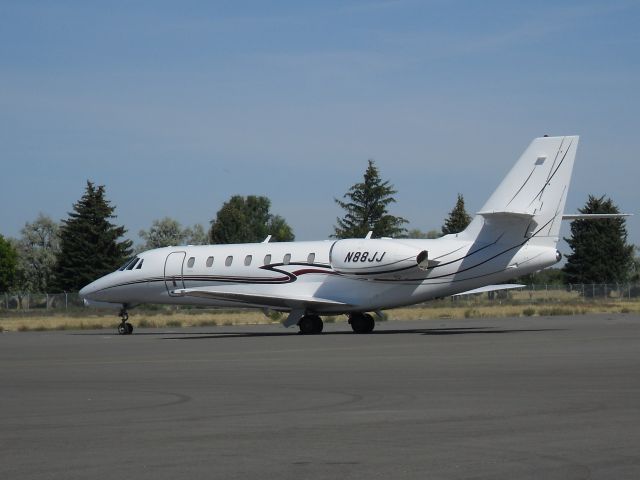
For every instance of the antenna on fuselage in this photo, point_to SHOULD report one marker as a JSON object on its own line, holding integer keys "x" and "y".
{"x": 369, "y": 235}
{"x": 266, "y": 240}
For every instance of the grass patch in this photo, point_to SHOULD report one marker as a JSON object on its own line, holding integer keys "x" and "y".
{"x": 472, "y": 313}
{"x": 553, "y": 311}
{"x": 206, "y": 323}
{"x": 444, "y": 309}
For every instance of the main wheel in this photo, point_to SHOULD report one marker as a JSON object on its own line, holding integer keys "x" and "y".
{"x": 317, "y": 324}
{"x": 361, "y": 322}
{"x": 122, "y": 329}
{"x": 310, "y": 324}
{"x": 129, "y": 328}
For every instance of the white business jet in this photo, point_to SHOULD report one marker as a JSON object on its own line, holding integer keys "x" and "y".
{"x": 514, "y": 234}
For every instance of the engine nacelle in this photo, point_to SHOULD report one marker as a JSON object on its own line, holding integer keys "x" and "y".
{"x": 376, "y": 257}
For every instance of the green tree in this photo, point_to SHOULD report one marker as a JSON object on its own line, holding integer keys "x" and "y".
{"x": 417, "y": 233}
{"x": 167, "y": 231}
{"x": 196, "y": 235}
{"x": 366, "y": 206}
{"x": 90, "y": 244}
{"x": 246, "y": 220}
{"x": 8, "y": 265}
{"x": 548, "y": 276}
{"x": 38, "y": 249}
{"x": 458, "y": 218}
{"x": 600, "y": 250}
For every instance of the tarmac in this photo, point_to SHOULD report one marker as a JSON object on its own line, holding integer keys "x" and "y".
{"x": 538, "y": 397}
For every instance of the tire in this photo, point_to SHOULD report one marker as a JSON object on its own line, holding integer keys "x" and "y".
{"x": 318, "y": 325}
{"x": 307, "y": 325}
{"x": 122, "y": 329}
{"x": 129, "y": 328}
{"x": 310, "y": 325}
{"x": 362, "y": 323}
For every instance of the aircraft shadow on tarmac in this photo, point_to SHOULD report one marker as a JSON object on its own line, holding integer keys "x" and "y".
{"x": 410, "y": 331}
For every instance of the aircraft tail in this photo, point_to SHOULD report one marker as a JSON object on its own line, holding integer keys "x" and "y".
{"x": 530, "y": 201}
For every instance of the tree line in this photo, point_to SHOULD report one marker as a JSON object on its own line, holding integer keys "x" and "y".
{"x": 65, "y": 256}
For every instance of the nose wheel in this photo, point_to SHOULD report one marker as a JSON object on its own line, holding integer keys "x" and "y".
{"x": 125, "y": 328}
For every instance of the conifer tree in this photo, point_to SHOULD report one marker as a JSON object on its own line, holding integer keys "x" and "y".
{"x": 458, "y": 218}
{"x": 600, "y": 250}
{"x": 90, "y": 244}
{"x": 8, "y": 265}
{"x": 366, "y": 209}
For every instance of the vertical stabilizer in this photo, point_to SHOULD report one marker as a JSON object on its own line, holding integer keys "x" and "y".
{"x": 530, "y": 200}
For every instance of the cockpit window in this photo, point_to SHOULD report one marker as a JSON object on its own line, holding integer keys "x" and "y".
{"x": 140, "y": 264}
{"x": 132, "y": 264}
{"x": 127, "y": 263}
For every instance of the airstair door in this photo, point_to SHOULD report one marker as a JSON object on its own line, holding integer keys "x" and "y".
{"x": 173, "y": 271}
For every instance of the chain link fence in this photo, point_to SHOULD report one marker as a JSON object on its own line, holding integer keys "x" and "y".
{"x": 536, "y": 294}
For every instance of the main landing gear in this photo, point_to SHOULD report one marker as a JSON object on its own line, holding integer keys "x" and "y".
{"x": 125, "y": 328}
{"x": 310, "y": 325}
{"x": 360, "y": 323}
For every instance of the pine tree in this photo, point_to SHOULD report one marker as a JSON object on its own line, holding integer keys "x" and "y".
{"x": 458, "y": 218}
{"x": 89, "y": 242}
{"x": 600, "y": 250}
{"x": 247, "y": 219}
{"x": 8, "y": 265}
{"x": 366, "y": 209}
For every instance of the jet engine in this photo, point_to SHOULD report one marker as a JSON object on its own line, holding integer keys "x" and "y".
{"x": 376, "y": 257}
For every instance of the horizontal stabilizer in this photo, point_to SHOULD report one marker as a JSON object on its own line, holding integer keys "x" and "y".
{"x": 491, "y": 288}
{"x": 595, "y": 216}
{"x": 505, "y": 214}
{"x": 267, "y": 300}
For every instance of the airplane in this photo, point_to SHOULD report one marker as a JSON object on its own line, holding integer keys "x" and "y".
{"x": 515, "y": 233}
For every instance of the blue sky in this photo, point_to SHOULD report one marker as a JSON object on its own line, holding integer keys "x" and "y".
{"x": 176, "y": 106}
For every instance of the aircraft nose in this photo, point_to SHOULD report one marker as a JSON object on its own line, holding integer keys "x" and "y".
{"x": 87, "y": 290}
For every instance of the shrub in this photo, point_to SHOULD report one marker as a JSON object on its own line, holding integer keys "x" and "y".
{"x": 527, "y": 312}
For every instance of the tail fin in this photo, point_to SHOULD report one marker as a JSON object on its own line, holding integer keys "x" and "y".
{"x": 530, "y": 200}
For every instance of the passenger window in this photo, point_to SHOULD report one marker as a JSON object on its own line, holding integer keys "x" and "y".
{"x": 311, "y": 258}
{"x": 267, "y": 259}
{"x": 132, "y": 264}
{"x": 140, "y": 264}
{"x": 191, "y": 261}
{"x": 247, "y": 260}
{"x": 229, "y": 261}
{"x": 209, "y": 261}
{"x": 287, "y": 259}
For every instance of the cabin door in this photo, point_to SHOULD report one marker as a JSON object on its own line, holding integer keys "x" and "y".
{"x": 173, "y": 271}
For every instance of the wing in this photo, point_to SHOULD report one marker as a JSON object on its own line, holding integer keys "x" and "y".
{"x": 491, "y": 288}
{"x": 594, "y": 216}
{"x": 259, "y": 299}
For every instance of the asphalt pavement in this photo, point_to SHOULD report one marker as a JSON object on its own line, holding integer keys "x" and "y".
{"x": 551, "y": 398}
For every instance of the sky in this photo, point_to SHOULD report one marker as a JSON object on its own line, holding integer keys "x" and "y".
{"x": 176, "y": 106}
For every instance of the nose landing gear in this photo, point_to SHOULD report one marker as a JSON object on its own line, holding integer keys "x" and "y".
{"x": 125, "y": 328}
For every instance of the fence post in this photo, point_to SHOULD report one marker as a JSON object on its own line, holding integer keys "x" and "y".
{"x": 6, "y": 298}
{"x": 66, "y": 302}
{"x": 46, "y": 300}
